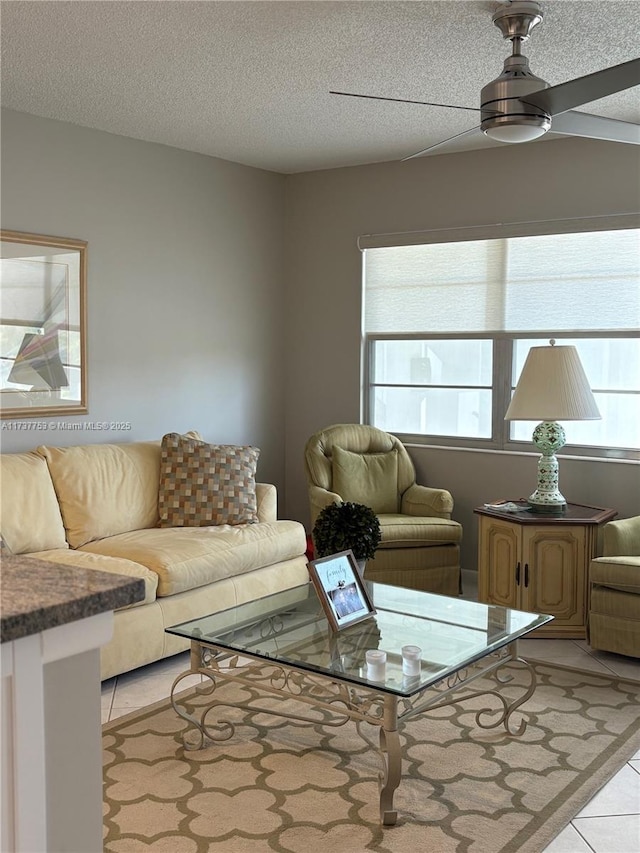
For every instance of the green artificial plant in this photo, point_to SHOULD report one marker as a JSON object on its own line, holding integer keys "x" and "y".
{"x": 344, "y": 526}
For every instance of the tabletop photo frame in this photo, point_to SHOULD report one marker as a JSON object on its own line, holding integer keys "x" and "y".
{"x": 340, "y": 589}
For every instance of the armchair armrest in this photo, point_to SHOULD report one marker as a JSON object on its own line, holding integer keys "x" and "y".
{"x": 426, "y": 501}
{"x": 622, "y": 537}
{"x": 319, "y": 498}
{"x": 267, "y": 502}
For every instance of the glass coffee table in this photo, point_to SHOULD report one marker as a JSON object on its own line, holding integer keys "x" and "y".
{"x": 282, "y": 646}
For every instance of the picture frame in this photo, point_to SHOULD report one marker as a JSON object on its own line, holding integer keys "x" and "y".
{"x": 340, "y": 589}
{"x": 43, "y": 328}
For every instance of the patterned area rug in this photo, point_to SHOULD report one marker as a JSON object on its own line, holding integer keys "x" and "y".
{"x": 291, "y": 787}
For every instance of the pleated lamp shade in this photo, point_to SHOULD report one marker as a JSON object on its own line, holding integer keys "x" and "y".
{"x": 552, "y": 387}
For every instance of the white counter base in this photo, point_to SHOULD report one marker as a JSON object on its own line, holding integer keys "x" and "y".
{"x": 50, "y": 731}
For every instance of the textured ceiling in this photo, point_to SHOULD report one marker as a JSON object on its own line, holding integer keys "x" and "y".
{"x": 249, "y": 81}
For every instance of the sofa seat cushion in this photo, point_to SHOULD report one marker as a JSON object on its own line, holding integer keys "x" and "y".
{"x": 620, "y": 573}
{"x": 113, "y": 565}
{"x": 406, "y": 531}
{"x": 188, "y": 557}
{"x": 31, "y": 519}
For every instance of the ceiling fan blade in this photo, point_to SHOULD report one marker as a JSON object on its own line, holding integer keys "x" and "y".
{"x": 475, "y": 129}
{"x": 404, "y": 101}
{"x": 583, "y": 90}
{"x": 574, "y": 123}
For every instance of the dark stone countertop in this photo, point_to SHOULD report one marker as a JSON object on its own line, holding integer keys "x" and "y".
{"x": 36, "y": 595}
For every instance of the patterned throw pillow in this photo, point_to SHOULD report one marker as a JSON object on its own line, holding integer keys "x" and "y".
{"x": 204, "y": 484}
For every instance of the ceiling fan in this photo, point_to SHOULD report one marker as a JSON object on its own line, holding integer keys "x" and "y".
{"x": 519, "y": 107}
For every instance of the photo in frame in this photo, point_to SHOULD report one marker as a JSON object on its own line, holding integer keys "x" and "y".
{"x": 340, "y": 589}
{"x": 43, "y": 362}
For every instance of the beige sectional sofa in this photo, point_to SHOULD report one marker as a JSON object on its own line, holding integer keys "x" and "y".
{"x": 96, "y": 506}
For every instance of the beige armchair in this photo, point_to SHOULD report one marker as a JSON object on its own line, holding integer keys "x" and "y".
{"x": 614, "y": 586}
{"x": 420, "y": 546}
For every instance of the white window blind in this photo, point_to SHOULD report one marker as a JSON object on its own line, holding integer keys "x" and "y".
{"x": 570, "y": 281}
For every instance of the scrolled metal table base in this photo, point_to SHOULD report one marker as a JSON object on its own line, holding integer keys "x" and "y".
{"x": 343, "y": 701}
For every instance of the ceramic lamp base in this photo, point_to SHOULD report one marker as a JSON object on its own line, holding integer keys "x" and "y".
{"x": 548, "y": 437}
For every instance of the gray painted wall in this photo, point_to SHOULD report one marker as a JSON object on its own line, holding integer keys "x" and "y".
{"x": 199, "y": 319}
{"x": 185, "y": 281}
{"x": 327, "y": 211}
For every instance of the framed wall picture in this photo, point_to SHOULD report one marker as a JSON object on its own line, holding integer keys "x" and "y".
{"x": 43, "y": 346}
{"x": 341, "y": 590}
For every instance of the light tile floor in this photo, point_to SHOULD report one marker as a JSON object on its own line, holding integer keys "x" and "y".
{"x": 609, "y": 823}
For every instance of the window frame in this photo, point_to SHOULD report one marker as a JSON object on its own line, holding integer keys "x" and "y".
{"x": 503, "y": 345}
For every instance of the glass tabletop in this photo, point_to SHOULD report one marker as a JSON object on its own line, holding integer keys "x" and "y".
{"x": 291, "y": 627}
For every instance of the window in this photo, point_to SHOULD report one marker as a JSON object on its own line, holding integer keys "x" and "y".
{"x": 433, "y": 387}
{"x": 448, "y": 327}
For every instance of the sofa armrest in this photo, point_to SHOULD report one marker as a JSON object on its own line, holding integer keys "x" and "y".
{"x": 425, "y": 501}
{"x": 319, "y": 498}
{"x": 622, "y": 538}
{"x": 267, "y": 502}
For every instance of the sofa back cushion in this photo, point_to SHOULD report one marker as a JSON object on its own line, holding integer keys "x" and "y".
{"x": 30, "y": 518}
{"x": 105, "y": 489}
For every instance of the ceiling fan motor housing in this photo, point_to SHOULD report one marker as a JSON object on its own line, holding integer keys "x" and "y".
{"x": 503, "y": 108}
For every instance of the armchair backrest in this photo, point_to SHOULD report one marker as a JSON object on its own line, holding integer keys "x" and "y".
{"x": 355, "y": 438}
{"x": 622, "y": 537}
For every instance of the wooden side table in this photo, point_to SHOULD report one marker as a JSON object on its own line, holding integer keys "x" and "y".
{"x": 540, "y": 563}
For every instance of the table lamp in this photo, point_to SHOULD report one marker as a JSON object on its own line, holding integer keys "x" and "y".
{"x": 552, "y": 387}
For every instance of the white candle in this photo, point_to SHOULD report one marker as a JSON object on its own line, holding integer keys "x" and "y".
{"x": 376, "y": 664}
{"x": 411, "y": 656}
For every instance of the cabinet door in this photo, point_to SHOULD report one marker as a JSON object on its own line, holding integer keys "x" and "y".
{"x": 498, "y": 562}
{"x": 553, "y": 578}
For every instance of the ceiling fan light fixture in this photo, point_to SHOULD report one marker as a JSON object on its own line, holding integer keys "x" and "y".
{"x": 519, "y": 131}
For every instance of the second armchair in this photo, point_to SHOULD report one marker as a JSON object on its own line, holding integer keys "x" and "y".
{"x": 420, "y": 546}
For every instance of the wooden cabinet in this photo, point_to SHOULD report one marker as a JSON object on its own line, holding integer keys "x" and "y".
{"x": 540, "y": 563}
